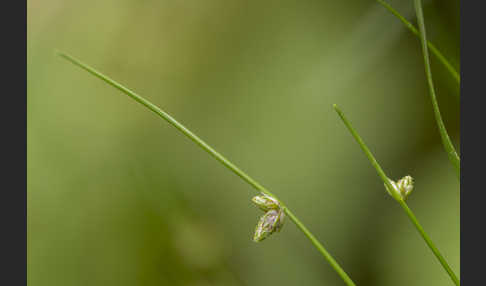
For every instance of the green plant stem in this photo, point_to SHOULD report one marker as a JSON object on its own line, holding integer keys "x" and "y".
{"x": 171, "y": 121}
{"x": 217, "y": 156}
{"x": 363, "y": 146}
{"x": 429, "y": 242}
{"x": 407, "y": 210}
{"x": 446, "y": 141}
{"x": 431, "y": 46}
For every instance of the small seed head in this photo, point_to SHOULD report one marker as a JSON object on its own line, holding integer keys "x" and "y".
{"x": 405, "y": 186}
{"x": 266, "y": 203}
{"x": 270, "y": 222}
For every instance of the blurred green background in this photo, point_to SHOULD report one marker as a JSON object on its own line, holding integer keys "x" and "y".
{"x": 116, "y": 196}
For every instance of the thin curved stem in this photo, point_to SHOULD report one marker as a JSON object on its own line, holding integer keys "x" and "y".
{"x": 446, "y": 141}
{"x": 172, "y": 121}
{"x": 217, "y": 156}
{"x": 431, "y": 46}
{"x": 407, "y": 210}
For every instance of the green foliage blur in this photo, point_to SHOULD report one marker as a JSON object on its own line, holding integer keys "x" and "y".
{"x": 116, "y": 196}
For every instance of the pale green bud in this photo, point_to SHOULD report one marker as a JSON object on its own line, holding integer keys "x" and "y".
{"x": 401, "y": 189}
{"x": 405, "y": 186}
{"x": 270, "y": 222}
{"x": 265, "y": 202}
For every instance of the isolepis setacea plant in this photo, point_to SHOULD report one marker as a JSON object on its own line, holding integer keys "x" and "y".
{"x": 275, "y": 211}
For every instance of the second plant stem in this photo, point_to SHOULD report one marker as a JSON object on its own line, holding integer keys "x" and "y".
{"x": 340, "y": 271}
{"x": 402, "y": 203}
{"x": 429, "y": 242}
